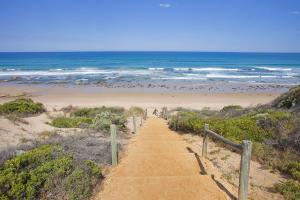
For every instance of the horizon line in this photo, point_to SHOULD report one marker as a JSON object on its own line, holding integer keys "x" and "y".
{"x": 145, "y": 51}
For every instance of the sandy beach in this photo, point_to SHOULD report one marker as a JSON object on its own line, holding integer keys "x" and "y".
{"x": 85, "y": 96}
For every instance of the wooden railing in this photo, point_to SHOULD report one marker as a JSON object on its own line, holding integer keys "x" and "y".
{"x": 244, "y": 149}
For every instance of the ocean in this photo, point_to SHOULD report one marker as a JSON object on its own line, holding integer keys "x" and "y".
{"x": 193, "y": 67}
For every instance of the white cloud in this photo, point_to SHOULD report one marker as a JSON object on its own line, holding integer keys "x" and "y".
{"x": 165, "y": 5}
{"x": 295, "y": 12}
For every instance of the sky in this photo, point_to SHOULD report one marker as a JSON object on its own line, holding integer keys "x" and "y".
{"x": 150, "y": 25}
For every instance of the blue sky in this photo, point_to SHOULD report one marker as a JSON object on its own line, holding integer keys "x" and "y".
{"x": 150, "y": 25}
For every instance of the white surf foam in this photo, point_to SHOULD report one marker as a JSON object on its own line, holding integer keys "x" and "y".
{"x": 225, "y": 76}
{"x": 179, "y": 78}
{"x": 274, "y": 68}
{"x": 80, "y": 71}
{"x": 214, "y": 69}
{"x": 205, "y": 69}
{"x": 156, "y": 68}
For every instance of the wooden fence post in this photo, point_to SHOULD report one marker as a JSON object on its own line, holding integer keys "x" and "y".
{"x": 114, "y": 146}
{"x": 134, "y": 124}
{"x": 145, "y": 114}
{"x": 245, "y": 169}
{"x": 177, "y": 120}
{"x": 166, "y": 114}
{"x": 205, "y": 141}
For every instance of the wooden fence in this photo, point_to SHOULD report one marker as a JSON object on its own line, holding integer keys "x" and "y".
{"x": 245, "y": 149}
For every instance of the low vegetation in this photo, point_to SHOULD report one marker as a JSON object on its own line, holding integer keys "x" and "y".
{"x": 289, "y": 189}
{"x": 135, "y": 111}
{"x": 103, "y": 120}
{"x": 289, "y": 100}
{"x": 99, "y": 118}
{"x": 22, "y": 107}
{"x": 74, "y": 122}
{"x": 47, "y": 172}
{"x": 93, "y": 112}
{"x": 274, "y": 130}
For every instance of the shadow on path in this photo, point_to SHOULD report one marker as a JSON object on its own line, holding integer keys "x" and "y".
{"x": 204, "y": 172}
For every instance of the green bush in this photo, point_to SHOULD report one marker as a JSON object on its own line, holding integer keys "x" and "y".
{"x": 99, "y": 119}
{"x": 93, "y": 169}
{"x": 288, "y": 100}
{"x": 70, "y": 122}
{"x": 79, "y": 183}
{"x": 23, "y": 176}
{"x": 277, "y": 124}
{"x": 187, "y": 121}
{"x": 231, "y": 107}
{"x": 22, "y": 107}
{"x": 273, "y": 158}
{"x": 103, "y": 121}
{"x": 93, "y": 112}
{"x": 231, "y": 111}
{"x": 35, "y": 173}
{"x": 258, "y": 126}
{"x": 236, "y": 129}
{"x": 135, "y": 111}
{"x": 254, "y": 126}
{"x": 293, "y": 169}
{"x": 289, "y": 189}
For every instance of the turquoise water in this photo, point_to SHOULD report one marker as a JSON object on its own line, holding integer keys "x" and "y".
{"x": 279, "y": 68}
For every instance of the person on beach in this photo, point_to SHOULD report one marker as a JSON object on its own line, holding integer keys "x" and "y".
{"x": 155, "y": 112}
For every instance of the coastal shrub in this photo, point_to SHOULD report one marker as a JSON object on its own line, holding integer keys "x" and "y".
{"x": 80, "y": 182}
{"x": 36, "y": 173}
{"x": 103, "y": 121}
{"x": 93, "y": 112}
{"x": 231, "y": 107}
{"x": 274, "y": 131}
{"x": 293, "y": 169}
{"x": 289, "y": 189}
{"x": 261, "y": 127}
{"x": 288, "y": 100}
{"x": 99, "y": 118}
{"x": 23, "y": 176}
{"x": 282, "y": 127}
{"x": 77, "y": 185}
{"x": 135, "y": 111}
{"x": 71, "y": 122}
{"x": 22, "y": 107}
{"x": 236, "y": 129}
{"x": 253, "y": 125}
{"x": 292, "y": 139}
{"x": 272, "y": 157}
{"x": 231, "y": 111}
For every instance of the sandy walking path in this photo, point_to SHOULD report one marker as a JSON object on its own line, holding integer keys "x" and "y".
{"x": 157, "y": 166}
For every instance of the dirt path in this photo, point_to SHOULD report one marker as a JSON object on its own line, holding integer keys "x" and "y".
{"x": 158, "y": 165}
